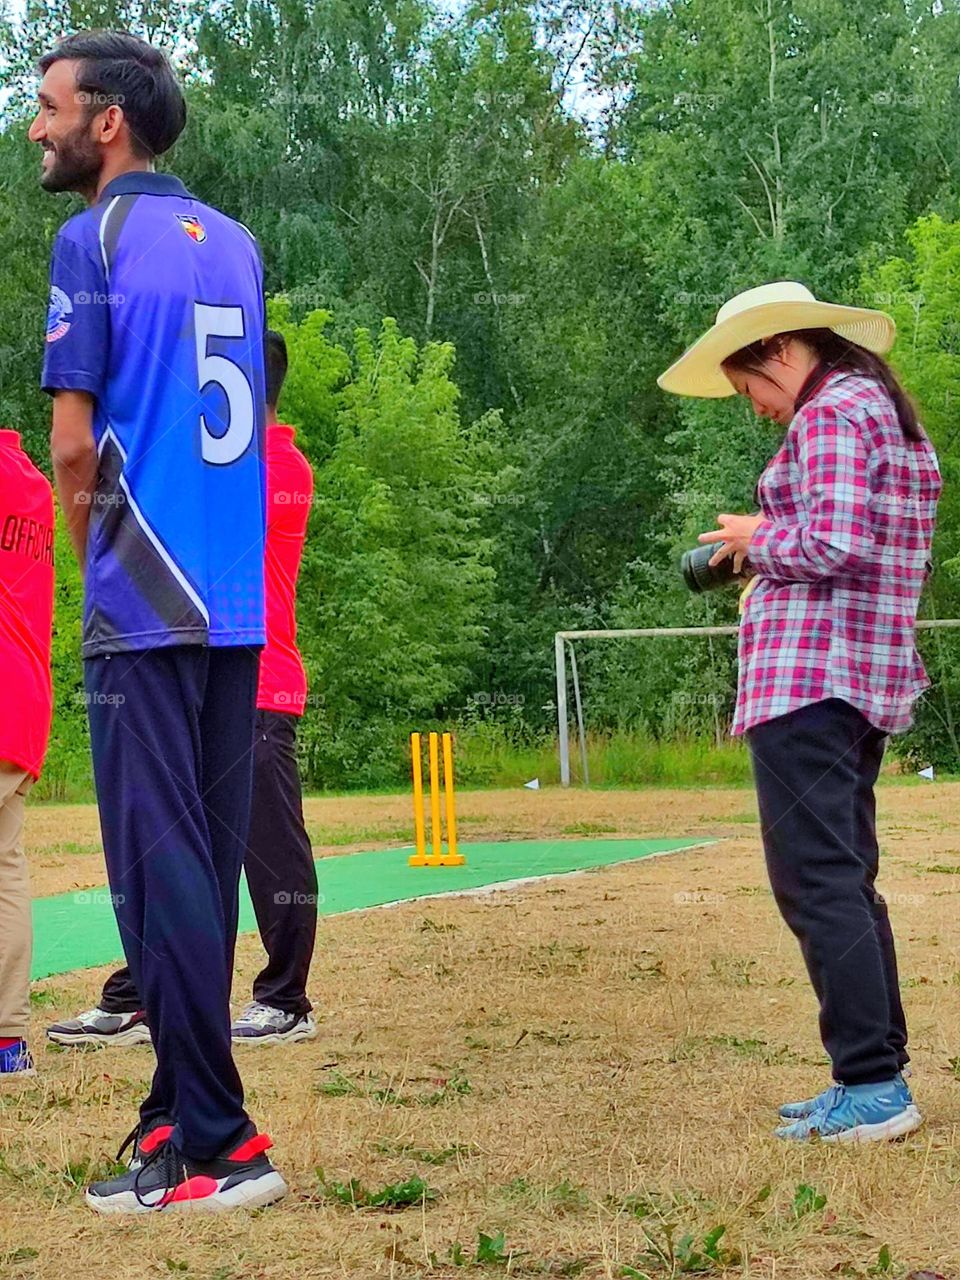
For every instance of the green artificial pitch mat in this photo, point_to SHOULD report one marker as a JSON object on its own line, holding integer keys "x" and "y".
{"x": 78, "y": 930}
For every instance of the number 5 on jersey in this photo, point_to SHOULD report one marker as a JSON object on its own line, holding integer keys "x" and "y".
{"x": 223, "y": 322}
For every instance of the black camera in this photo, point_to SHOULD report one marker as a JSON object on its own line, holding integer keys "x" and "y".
{"x": 700, "y": 575}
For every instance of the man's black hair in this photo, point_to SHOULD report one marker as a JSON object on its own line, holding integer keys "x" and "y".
{"x": 275, "y": 353}
{"x": 119, "y": 68}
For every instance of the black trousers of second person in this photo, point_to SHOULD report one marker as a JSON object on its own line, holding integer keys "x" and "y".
{"x": 171, "y": 733}
{"x": 281, "y": 876}
{"x": 815, "y": 770}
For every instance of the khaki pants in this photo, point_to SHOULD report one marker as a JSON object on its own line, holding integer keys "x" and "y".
{"x": 16, "y": 929}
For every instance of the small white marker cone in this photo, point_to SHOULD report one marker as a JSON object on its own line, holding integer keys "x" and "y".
{"x": 927, "y": 773}
{"x": 533, "y": 784}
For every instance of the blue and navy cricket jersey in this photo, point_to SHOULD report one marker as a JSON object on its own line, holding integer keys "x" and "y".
{"x": 156, "y": 309}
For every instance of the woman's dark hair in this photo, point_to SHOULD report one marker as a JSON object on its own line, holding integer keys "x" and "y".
{"x": 117, "y": 68}
{"x": 833, "y": 353}
{"x": 275, "y": 354}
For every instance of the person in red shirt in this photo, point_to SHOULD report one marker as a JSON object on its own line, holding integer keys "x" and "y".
{"x": 26, "y": 620}
{"x": 279, "y": 864}
{"x": 278, "y": 861}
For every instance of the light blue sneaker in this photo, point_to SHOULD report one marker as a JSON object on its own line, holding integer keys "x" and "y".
{"x": 800, "y": 1110}
{"x": 858, "y": 1113}
{"x": 16, "y": 1062}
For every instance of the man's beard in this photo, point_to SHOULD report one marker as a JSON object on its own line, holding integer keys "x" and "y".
{"x": 76, "y": 164}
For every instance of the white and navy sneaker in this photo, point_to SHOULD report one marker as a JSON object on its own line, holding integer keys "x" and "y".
{"x": 169, "y": 1181}
{"x": 15, "y": 1061}
{"x": 263, "y": 1024}
{"x": 96, "y": 1026}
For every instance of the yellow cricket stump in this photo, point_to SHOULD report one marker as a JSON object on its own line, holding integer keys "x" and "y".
{"x": 452, "y": 858}
{"x": 437, "y": 856}
{"x": 436, "y": 835}
{"x": 419, "y": 859}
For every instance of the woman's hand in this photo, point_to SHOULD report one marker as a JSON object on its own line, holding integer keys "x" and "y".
{"x": 735, "y": 533}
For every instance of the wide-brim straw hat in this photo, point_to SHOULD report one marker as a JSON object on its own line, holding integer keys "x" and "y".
{"x": 759, "y": 313}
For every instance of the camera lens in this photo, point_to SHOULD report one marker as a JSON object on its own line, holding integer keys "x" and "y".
{"x": 700, "y": 575}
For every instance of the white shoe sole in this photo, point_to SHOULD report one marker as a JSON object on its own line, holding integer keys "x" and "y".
{"x": 897, "y": 1127}
{"x": 278, "y": 1037}
{"x": 252, "y": 1194}
{"x": 67, "y": 1040}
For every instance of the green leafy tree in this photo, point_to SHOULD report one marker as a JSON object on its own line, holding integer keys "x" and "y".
{"x": 566, "y": 193}
{"x": 922, "y": 292}
{"x": 396, "y": 574}
{"x": 28, "y": 220}
{"x": 318, "y": 369}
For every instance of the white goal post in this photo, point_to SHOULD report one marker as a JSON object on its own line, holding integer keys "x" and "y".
{"x": 563, "y": 641}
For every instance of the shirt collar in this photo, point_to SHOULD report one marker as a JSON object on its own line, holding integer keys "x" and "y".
{"x": 144, "y": 182}
{"x": 815, "y": 382}
{"x": 9, "y": 438}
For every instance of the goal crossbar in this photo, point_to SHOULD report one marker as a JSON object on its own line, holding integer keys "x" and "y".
{"x": 562, "y": 640}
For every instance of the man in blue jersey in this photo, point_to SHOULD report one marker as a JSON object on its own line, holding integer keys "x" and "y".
{"x": 154, "y": 359}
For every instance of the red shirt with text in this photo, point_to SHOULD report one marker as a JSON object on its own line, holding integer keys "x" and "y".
{"x": 26, "y": 606}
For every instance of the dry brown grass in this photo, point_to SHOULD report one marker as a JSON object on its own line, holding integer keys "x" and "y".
{"x": 614, "y": 1046}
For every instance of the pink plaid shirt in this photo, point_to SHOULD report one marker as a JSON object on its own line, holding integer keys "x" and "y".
{"x": 849, "y": 506}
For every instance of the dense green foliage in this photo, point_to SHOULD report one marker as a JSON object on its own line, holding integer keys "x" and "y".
{"x": 485, "y": 232}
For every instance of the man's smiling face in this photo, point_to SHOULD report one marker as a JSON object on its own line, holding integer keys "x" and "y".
{"x": 72, "y": 159}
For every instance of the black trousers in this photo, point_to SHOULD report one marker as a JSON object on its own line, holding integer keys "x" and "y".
{"x": 281, "y": 876}
{"x": 815, "y": 770}
{"x": 170, "y": 732}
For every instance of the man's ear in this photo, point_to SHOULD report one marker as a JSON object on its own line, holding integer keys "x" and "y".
{"x": 109, "y": 123}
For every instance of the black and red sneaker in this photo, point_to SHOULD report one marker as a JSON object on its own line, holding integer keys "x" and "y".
{"x": 240, "y": 1178}
{"x": 145, "y": 1140}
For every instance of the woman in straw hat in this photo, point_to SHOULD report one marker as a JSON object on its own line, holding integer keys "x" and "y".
{"x": 828, "y": 665}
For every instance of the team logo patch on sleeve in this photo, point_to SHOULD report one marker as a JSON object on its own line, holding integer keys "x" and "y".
{"x": 59, "y": 311}
{"x": 192, "y": 226}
